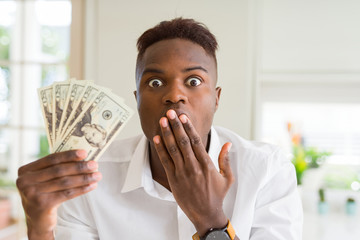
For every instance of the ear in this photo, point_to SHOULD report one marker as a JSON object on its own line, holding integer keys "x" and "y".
{"x": 135, "y": 94}
{"x": 218, "y": 93}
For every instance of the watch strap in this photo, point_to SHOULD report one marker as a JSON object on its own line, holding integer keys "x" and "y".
{"x": 229, "y": 229}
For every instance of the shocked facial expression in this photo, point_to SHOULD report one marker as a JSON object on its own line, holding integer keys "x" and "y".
{"x": 176, "y": 74}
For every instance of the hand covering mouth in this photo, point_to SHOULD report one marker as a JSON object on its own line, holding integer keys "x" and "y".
{"x": 178, "y": 111}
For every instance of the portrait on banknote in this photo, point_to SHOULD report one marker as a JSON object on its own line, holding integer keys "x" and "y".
{"x": 93, "y": 133}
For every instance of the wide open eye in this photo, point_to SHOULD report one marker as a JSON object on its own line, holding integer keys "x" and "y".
{"x": 193, "y": 82}
{"x": 154, "y": 83}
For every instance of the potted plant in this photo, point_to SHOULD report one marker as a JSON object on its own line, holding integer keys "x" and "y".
{"x": 323, "y": 206}
{"x": 314, "y": 157}
{"x": 350, "y": 207}
{"x": 304, "y": 157}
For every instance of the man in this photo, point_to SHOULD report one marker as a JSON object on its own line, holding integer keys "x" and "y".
{"x": 180, "y": 178}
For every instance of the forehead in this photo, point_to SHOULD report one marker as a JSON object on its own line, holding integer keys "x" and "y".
{"x": 176, "y": 53}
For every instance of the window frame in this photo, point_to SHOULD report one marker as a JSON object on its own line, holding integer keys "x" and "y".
{"x": 75, "y": 63}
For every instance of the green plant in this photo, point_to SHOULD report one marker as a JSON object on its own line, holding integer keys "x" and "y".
{"x": 44, "y": 146}
{"x": 5, "y": 182}
{"x": 322, "y": 195}
{"x": 6, "y": 185}
{"x": 304, "y": 157}
{"x": 299, "y": 162}
{"x": 341, "y": 177}
{"x": 5, "y": 42}
{"x": 314, "y": 157}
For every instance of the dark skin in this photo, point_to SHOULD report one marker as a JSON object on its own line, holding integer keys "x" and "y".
{"x": 177, "y": 98}
{"x": 176, "y": 83}
{"x": 46, "y": 183}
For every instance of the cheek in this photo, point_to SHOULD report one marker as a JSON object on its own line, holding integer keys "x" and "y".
{"x": 145, "y": 106}
{"x": 149, "y": 110}
{"x": 207, "y": 103}
{"x": 144, "y": 99}
{"x": 205, "y": 110}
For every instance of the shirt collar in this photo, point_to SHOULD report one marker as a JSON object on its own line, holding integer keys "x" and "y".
{"x": 137, "y": 166}
{"x": 215, "y": 147}
{"x": 139, "y": 172}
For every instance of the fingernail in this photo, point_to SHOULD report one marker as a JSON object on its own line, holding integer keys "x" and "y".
{"x": 97, "y": 176}
{"x": 183, "y": 118}
{"x": 81, "y": 154}
{"x": 92, "y": 165}
{"x": 156, "y": 139}
{"x": 230, "y": 145}
{"x": 171, "y": 114}
{"x": 92, "y": 185}
{"x": 163, "y": 122}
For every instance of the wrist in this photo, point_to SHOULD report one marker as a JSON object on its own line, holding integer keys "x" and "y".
{"x": 204, "y": 226}
{"x": 225, "y": 233}
{"x": 34, "y": 235}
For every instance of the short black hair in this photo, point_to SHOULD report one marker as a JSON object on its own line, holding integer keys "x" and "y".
{"x": 182, "y": 28}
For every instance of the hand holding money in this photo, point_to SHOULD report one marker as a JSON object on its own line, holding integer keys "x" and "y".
{"x": 77, "y": 115}
{"x": 46, "y": 183}
{"x": 81, "y": 115}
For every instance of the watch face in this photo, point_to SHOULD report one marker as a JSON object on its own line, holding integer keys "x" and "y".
{"x": 217, "y": 235}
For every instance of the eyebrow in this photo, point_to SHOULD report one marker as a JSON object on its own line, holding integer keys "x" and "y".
{"x": 195, "y": 68}
{"x": 151, "y": 70}
{"x": 155, "y": 70}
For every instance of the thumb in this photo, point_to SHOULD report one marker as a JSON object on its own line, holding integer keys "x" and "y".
{"x": 224, "y": 162}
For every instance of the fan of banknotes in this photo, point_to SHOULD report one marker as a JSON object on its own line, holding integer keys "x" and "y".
{"x": 78, "y": 114}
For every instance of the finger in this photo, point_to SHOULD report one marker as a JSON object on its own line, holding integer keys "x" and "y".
{"x": 195, "y": 140}
{"x": 64, "y": 195}
{"x": 53, "y": 159}
{"x": 62, "y": 170}
{"x": 164, "y": 157}
{"x": 182, "y": 139}
{"x": 68, "y": 182}
{"x": 169, "y": 141}
{"x": 224, "y": 163}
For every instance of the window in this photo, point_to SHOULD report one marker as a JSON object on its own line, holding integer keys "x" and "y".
{"x": 332, "y": 127}
{"x": 308, "y": 76}
{"x": 35, "y": 45}
{"x": 307, "y": 87}
{"x": 308, "y": 73}
{"x": 34, "y": 52}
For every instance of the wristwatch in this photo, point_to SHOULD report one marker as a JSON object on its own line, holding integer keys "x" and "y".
{"x": 226, "y": 233}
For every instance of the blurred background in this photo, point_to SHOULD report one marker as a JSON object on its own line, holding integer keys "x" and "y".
{"x": 290, "y": 73}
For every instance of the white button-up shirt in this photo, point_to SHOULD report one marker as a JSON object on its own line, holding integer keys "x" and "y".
{"x": 263, "y": 203}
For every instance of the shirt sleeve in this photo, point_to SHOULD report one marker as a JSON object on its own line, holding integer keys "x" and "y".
{"x": 278, "y": 209}
{"x": 74, "y": 223}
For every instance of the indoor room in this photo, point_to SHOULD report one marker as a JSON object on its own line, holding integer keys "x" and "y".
{"x": 289, "y": 72}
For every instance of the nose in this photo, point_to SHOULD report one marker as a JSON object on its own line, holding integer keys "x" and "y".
{"x": 175, "y": 94}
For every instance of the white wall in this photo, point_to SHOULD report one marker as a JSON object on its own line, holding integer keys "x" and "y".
{"x": 306, "y": 51}
{"x": 112, "y": 30}
{"x": 321, "y": 36}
